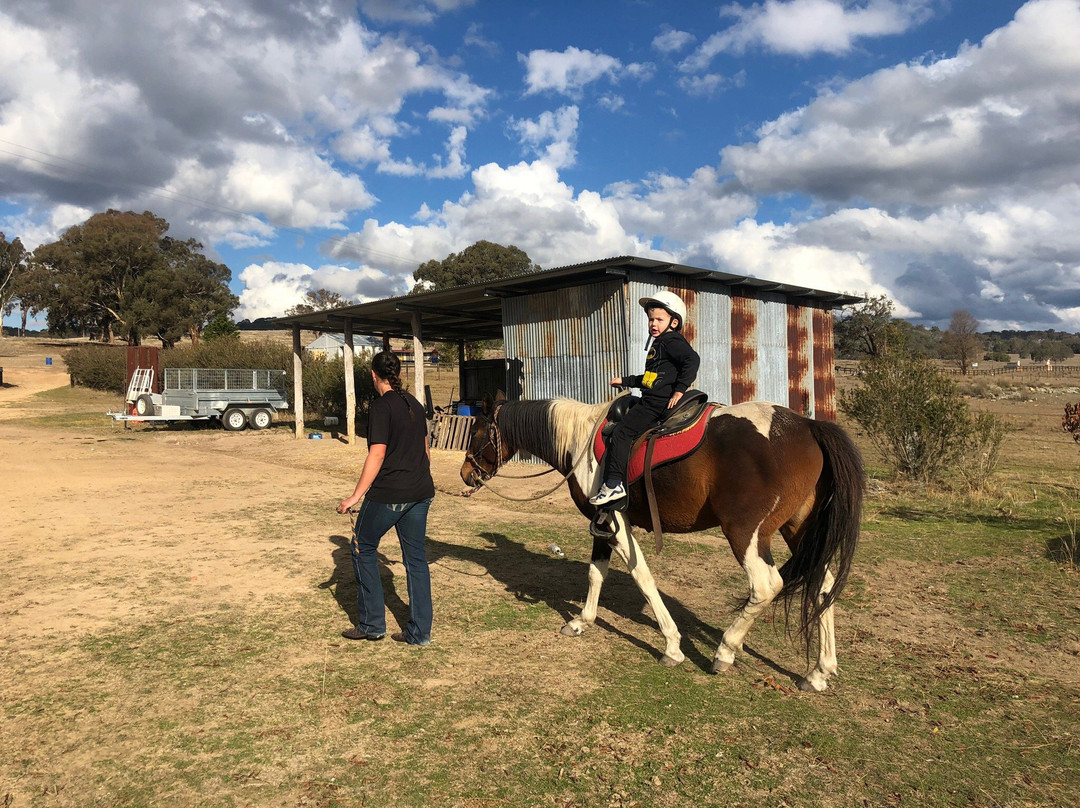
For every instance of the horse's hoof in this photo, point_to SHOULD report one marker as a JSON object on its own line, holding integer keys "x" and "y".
{"x": 670, "y": 661}
{"x": 570, "y": 630}
{"x": 808, "y": 686}
{"x": 719, "y": 666}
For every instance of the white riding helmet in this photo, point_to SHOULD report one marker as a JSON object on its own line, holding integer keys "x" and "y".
{"x": 669, "y": 301}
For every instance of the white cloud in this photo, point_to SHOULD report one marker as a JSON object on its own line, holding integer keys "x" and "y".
{"x": 105, "y": 108}
{"x": 526, "y": 205}
{"x": 566, "y": 72}
{"x": 805, "y": 27}
{"x": 454, "y": 166}
{"x": 274, "y": 287}
{"x": 999, "y": 118}
{"x": 552, "y": 136}
{"x": 671, "y": 40}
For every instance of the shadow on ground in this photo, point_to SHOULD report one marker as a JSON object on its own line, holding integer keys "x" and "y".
{"x": 560, "y": 583}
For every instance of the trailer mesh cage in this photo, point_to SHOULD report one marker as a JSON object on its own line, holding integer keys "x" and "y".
{"x": 224, "y": 379}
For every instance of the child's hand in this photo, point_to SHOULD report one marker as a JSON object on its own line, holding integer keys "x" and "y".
{"x": 616, "y": 382}
{"x": 674, "y": 400}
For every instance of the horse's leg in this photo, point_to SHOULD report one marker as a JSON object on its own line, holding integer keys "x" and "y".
{"x": 818, "y": 679}
{"x": 765, "y": 584}
{"x": 630, "y": 551}
{"x": 598, "y": 570}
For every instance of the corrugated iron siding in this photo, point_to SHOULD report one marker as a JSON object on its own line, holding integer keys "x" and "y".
{"x": 800, "y": 356}
{"x": 824, "y": 373}
{"x": 752, "y": 348}
{"x": 570, "y": 342}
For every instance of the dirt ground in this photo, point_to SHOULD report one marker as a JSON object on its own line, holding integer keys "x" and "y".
{"x": 105, "y": 527}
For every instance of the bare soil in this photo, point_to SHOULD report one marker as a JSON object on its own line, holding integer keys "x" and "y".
{"x": 106, "y": 528}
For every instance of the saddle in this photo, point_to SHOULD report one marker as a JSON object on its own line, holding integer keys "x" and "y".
{"x": 676, "y": 436}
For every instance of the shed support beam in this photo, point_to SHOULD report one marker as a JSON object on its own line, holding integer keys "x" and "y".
{"x": 350, "y": 383}
{"x": 461, "y": 369}
{"x": 298, "y": 381}
{"x": 418, "y": 357}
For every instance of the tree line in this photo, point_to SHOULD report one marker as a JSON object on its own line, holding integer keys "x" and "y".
{"x": 117, "y": 275}
{"x": 869, "y": 329}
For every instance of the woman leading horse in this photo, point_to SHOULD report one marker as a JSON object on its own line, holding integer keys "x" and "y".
{"x": 761, "y": 468}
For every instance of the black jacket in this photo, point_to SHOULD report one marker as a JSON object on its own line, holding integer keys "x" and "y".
{"x": 671, "y": 366}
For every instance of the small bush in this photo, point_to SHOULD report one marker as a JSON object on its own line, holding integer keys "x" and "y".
{"x": 229, "y": 353}
{"x": 99, "y": 367}
{"x": 979, "y": 451}
{"x": 324, "y": 385}
{"x": 914, "y": 415}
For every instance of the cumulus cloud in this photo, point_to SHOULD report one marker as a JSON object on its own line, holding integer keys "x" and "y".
{"x": 526, "y": 205}
{"x": 551, "y": 136}
{"x": 570, "y": 71}
{"x": 997, "y": 117}
{"x": 252, "y": 97}
{"x": 273, "y": 287}
{"x": 805, "y": 27}
{"x": 670, "y": 40}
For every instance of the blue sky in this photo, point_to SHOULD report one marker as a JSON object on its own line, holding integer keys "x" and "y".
{"x": 924, "y": 149}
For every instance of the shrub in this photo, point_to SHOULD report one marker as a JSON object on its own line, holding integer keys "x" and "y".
{"x": 914, "y": 415}
{"x": 979, "y": 451}
{"x": 229, "y": 353}
{"x": 99, "y": 367}
{"x": 324, "y": 385}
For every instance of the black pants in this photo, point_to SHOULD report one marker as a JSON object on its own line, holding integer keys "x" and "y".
{"x": 641, "y": 416}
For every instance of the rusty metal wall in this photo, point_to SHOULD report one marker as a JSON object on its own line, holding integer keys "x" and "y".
{"x": 572, "y": 341}
{"x": 824, "y": 372}
{"x": 800, "y": 355}
{"x": 763, "y": 347}
{"x": 569, "y": 342}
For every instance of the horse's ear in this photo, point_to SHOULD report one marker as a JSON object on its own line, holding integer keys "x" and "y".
{"x": 500, "y": 396}
{"x": 488, "y": 405}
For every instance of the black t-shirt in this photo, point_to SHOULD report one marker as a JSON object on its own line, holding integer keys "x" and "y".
{"x": 405, "y": 475}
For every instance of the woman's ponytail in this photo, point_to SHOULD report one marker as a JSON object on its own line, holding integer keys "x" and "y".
{"x": 388, "y": 368}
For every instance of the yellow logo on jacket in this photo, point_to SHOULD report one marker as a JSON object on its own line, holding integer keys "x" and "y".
{"x": 648, "y": 380}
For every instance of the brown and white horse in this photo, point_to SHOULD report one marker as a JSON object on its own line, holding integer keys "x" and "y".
{"x": 761, "y": 468}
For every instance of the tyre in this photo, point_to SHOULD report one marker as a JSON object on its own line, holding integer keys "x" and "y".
{"x": 233, "y": 419}
{"x": 261, "y": 419}
{"x": 144, "y": 405}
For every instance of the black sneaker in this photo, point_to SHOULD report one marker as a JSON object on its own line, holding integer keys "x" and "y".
{"x": 355, "y": 633}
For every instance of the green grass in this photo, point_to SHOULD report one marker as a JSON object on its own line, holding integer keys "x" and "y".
{"x": 958, "y": 640}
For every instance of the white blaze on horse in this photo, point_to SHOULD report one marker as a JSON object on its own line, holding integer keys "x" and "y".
{"x": 760, "y": 468}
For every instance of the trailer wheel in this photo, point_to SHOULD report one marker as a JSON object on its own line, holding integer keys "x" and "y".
{"x": 233, "y": 420}
{"x": 144, "y": 405}
{"x": 261, "y": 419}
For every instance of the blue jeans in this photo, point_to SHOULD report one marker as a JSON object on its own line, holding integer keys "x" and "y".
{"x": 372, "y": 523}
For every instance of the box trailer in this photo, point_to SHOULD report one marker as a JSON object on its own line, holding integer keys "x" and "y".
{"x": 238, "y": 398}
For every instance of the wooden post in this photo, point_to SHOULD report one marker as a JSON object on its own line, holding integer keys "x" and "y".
{"x": 350, "y": 384}
{"x": 298, "y": 381}
{"x": 418, "y": 357}
{"x": 461, "y": 369}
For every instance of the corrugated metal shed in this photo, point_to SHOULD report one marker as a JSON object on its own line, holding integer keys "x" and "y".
{"x": 567, "y": 331}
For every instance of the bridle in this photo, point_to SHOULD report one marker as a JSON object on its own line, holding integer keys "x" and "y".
{"x": 494, "y": 440}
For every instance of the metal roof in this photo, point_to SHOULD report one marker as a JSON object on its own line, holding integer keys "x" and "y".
{"x": 475, "y": 312}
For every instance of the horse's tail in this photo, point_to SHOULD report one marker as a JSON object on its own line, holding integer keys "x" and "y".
{"x": 831, "y": 533}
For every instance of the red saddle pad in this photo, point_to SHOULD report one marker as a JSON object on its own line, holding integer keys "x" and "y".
{"x": 668, "y": 448}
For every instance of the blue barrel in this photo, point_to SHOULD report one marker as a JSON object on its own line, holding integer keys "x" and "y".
{"x": 48, "y": 360}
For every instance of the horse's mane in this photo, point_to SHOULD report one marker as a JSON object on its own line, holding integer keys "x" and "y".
{"x": 554, "y": 430}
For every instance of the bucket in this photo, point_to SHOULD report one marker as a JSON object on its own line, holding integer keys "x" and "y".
{"x": 48, "y": 360}
{"x": 314, "y": 436}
